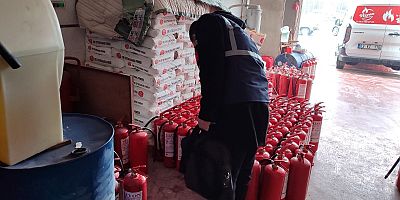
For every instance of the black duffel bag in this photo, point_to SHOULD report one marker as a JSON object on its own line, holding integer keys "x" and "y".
{"x": 206, "y": 165}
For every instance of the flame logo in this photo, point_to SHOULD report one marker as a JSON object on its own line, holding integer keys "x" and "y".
{"x": 388, "y": 15}
{"x": 367, "y": 14}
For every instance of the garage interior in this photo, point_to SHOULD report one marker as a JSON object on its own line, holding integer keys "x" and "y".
{"x": 359, "y": 139}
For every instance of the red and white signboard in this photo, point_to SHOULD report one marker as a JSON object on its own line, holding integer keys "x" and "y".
{"x": 389, "y": 15}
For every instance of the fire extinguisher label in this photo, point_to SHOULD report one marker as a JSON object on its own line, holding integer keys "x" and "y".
{"x": 309, "y": 135}
{"x": 169, "y": 144}
{"x": 316, "y": 131}
{"x": 133, "y": 195}
{"x": 124, "y": 149}
{"x": 179, "y": 147}
{"x": 283, "y": 194}
{"x": 302, "y": 91}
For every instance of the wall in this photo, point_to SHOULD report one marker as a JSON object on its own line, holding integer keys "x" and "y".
{"x": 292, "y": 17}
{"x": 235, "y": 11}
{"x": 272, "y": 21}
{"x": 74, "y": 37}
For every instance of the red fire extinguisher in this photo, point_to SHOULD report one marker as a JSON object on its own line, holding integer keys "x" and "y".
{"x": 301, "y": 87}
{"x": 274, "y": 182}
{"x": 305, "y": 67}
{"x": 168, "y": 133}
{"x": 182, "y": 131}
{"x": 309, "y": 87}
{"x": 135, "y": 186}
{"x": 262, "y": 154}
{"x": 253, "y": 187}
{"x": 316, "y": 127}
{"x": 121, "y": 142}
{"x": 138, "y": 148}
{"x": 283, "y": 84}
{"x": 308, "y": 154}
{"x": 292, "y": 84}
{"x": 285, "y": 162}
{"x": 300, "y": 169}
{"x": 158, "y": 155}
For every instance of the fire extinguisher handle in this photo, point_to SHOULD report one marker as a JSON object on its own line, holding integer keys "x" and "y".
{"x": 391, "y": 169}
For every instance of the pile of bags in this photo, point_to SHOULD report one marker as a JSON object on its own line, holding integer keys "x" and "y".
{"x": 163, "y": 68}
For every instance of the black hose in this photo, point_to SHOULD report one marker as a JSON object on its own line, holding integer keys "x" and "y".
{"x": 120, "y": 161}
{"x": 391, "y": 169}
{"x": 152, "y": 119}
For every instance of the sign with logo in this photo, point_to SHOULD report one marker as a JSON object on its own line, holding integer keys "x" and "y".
{"x": 389, "y": 15}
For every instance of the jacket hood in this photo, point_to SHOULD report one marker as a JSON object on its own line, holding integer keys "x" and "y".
{"x": 229, "y": 15}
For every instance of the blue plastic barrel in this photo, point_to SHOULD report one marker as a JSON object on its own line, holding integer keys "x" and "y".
{"x": 60, "y": 175}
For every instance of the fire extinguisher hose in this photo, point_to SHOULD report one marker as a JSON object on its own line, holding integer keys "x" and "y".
{"x": 152, "y": 119}
{"x": 391, "y": 169}
{"x": 120, "y": 161}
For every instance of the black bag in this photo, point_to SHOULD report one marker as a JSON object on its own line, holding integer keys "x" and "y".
{"x": 206, "y": 165}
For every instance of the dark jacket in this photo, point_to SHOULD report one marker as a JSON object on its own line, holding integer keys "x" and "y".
{"x": 226, "y": 80}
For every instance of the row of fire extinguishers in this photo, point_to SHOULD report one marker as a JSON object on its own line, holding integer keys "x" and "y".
{"x": 282, "y": 167}
{"x": 171, "y": 127}
{"x": 285, "y": 81}
{"x": 131, "y": 147}
{"x": 131, "y": 156}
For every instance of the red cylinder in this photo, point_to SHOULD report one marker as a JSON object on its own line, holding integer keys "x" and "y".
{"x": 398, "y": 181}
{"x": 135, "y": 186}
{"x": 283, "y": 85}
{"x": 309, "y": 87}
{"x": 121, "y": 142}
{"x": 191, "y": 122}
{"x": 299, "y": 176}
{"x": 308, "y": 154}
{"x": 301, "y": 88}
{"x": 285, "y": 162}
{"x": 273, "y": 183}
{"x": 168, "y": 141}
{"x": 290, "y": 90}
{"x": 181, "y": 133}
{"x": 316, "y": 130}
{"x": 158, "y": 155}
{"x": 262, "y": 154}
{"x": 253, "y": 187}
{"x": 138, "y": 148}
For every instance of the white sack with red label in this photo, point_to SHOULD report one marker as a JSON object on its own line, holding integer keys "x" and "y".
{"x": 103, "y": 42}
{"x": 104, "y": 60}
{"x": 169, "y": 30}
{"x": 171, "y": 48}
{"x": 154, "y": 43}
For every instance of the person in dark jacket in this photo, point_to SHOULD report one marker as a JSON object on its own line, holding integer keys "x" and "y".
{"x": 234, "y": 89}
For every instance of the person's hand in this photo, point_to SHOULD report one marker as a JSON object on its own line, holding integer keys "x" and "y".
{"x": 204, "y": 125}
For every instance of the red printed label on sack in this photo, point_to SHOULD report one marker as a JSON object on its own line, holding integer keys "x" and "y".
{"x": 283, "y": 194}
{"x": 133, "y": 195}
{"x": 179, "y": 147}
{"x": 140, "y": 93}
{"x": 316, "y": 131}
{"x": 124, "y": 149}
{"x": 302, "y": 91}
{"x": 169, "y": 144}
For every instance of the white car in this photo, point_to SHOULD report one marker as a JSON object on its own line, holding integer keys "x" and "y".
{"x": 371, "y": 34}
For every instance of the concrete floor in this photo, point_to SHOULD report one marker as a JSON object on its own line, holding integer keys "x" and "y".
{"x": 360, "y": 136}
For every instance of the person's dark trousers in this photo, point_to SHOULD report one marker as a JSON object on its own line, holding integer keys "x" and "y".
{"x": 242, "y": 127}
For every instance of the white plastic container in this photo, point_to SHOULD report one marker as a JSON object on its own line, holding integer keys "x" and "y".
{"x": 30, "y": 111}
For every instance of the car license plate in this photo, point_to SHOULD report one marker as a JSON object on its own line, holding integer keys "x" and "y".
{"x": 370, "y": 46}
